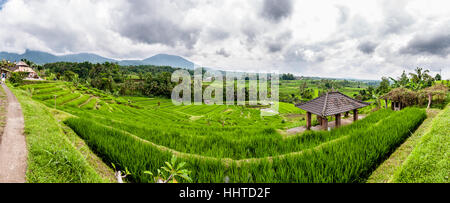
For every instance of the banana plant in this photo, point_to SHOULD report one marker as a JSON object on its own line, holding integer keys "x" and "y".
{"x": 170, "y": 172}
{"x": 119, "y": 175}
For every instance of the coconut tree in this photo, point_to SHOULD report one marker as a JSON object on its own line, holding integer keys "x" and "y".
{"x": 420, "y": 79}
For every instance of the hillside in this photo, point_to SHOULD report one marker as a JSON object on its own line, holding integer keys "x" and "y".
{"x": 39, "y": 57}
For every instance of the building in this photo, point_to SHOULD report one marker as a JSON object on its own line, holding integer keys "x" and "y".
{"x": 331, "y": 104}
{"x": 24, "y": 68}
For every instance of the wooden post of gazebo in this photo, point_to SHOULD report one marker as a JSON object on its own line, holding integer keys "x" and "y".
{"x": 325, "y": 123}
{"x": 308, "y": 120}
{"x": 332, "y": 103}
{"x": 338, "y": 120}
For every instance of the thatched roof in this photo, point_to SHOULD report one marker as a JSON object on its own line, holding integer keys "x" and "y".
{"x": 401, "y": 94}
{"x": 332, "y": 103}
{"x": 21, "y": 63}
{"x": 438, "y": 88}
{"x": 24, "y": 69}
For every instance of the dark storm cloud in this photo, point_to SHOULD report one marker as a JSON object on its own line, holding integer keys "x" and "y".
{"x": 276, "y": 10}
{"x": 277, "y": 44}
{"x": 367, "y": 47}
{"x": 274, "y": 47}
{"x": 438, "y": 44}
{"x": 223, "y": 52}
{"x": 157, "y": 22}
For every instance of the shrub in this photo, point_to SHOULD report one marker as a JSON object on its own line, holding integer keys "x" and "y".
{"x": 16, "y": 78}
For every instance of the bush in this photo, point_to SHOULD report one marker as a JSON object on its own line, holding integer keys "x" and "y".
{"x": 16, "y": 78}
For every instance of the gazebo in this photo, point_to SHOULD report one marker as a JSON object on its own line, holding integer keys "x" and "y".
{"x": 332, "y": 103}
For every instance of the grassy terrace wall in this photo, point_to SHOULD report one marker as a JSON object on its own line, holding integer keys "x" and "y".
{"x": 349, "y": 159}
{"x": 429, "y": 162}
{"x": 51, "y": 156}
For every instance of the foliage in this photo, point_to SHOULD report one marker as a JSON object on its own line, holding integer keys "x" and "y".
{"x": 51, "y": 157}
{"x": 170, "y": 172}
{"x": 418, "y": 80}
{"x": 119, "y": 146}
{"x": 403, "y": 95}
{"x": 438, "y": 91}
{"x": 142, "y": 133}
{"x": 16, "y": 78}
{"x": 112, "y": 78}
{"x": 429, "y": 162}
{"x": 288, "y": 76}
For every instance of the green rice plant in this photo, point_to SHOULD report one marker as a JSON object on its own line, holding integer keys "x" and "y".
{"x": 48, "y": 90}
{"x": 52, "y": 95}
{"x": 67, "y": 98}
{"x": 236, "y": 144}
{"x": 349, "y": 159}
{"x": 90, "y": 105}
{"x": 138, "y": 157}
{"x": 79, "y": 101}
{"x": 39, "y": 86}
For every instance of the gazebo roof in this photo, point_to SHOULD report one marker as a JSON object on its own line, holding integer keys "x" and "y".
{"x": 332, "y": 103}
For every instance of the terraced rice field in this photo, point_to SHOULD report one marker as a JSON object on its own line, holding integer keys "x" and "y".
{"x": 223, "y": 143}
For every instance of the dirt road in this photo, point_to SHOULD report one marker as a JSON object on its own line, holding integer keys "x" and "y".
{"x": 13, "y": 148}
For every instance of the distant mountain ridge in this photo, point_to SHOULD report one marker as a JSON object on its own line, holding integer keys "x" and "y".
{"x": 40, "y": 57}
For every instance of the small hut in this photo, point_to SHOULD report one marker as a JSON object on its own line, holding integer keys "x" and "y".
{"x": 400, "y": 98}
{"x": 332, "y": 103}
{"x": 24, "y": 68}
{"x": 5, "y": 66}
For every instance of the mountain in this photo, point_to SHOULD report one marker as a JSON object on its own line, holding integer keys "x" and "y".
{"x": 39, "y": 57}
{"x": 93, "y": 58}
{"x": 171, "y": 60}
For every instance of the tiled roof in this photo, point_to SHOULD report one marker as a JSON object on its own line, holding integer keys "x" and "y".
{"x": 332, "y": 103}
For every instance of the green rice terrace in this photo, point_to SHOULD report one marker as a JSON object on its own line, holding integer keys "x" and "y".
{"x": 218, "y": 143}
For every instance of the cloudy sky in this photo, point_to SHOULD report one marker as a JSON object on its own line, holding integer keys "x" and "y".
{"x": 352, "y": 39}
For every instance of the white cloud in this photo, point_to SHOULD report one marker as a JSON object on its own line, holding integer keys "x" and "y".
{"x": 357, "y": 39}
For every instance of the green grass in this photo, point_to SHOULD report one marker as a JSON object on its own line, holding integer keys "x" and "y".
{"x": 79, "y": 101}
{"x": 385, "y": 172}
{"x": 429, "y": 162}
{"x": 221, "y": 142}
{"x": 349, "y": 159}
{"x": 51, "y": 156}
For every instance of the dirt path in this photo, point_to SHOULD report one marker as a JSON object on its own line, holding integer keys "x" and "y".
{"x": 13, "y": 148}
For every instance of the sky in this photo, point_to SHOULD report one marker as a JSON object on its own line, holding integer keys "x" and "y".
{"x": 340, "y": 39}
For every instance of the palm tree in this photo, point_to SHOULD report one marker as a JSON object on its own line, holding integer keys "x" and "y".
{"x": 418, "y": 75}
{"x": 420, "y": 79}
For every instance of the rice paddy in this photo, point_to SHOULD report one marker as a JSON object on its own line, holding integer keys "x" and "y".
{"x": 223, "y": 143}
